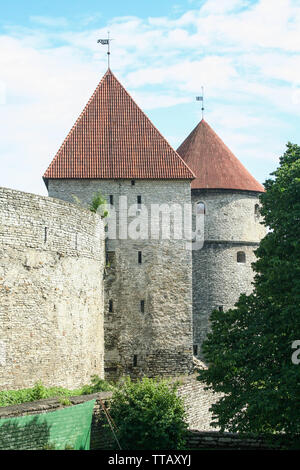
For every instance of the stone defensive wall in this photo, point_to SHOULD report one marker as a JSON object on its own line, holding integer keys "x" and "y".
{"x": 51, "y": 292}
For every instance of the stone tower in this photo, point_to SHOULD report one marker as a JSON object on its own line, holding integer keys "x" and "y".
{"x": 115, "y": 149}
{"x": 227, "y": 196}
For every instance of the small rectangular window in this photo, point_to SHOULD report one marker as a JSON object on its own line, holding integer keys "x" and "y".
{"x": 140, "y": 257}
{"x": 135, "y": 360}
{"x": 220, "y": 308}
{"x": 142, "y": 306}
{"x": 110, "y": 306}
{"x": 111, "y": 200}
{"x": 139, "y": 201}
{"x": 195, "y": 349}
{"x": 132, "y": 182}
{"x": 241, "y": 257}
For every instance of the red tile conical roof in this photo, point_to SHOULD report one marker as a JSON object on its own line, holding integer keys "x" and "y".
{"x": 113, "y": 138}
{"x": 214, "y": 165}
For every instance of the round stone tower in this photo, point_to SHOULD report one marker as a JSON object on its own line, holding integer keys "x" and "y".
{"x": 228, "y": 197}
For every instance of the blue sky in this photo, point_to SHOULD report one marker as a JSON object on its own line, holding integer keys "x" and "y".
{"x": 245, "y": 54}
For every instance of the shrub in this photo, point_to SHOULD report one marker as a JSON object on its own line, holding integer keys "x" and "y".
{"x": 97, "y": 385}
{"x": 148, "y": 415}
{"x": 97, "y": 202}
{"x": 39, "y": 391}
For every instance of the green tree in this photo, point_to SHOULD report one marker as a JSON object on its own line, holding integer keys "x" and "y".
{"x": 148, "y": 415}
{"x": 249, "y": 349}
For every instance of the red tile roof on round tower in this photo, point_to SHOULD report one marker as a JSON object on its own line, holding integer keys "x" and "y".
{"x": 213, "y": 163}
{"x": 113, "y": 138}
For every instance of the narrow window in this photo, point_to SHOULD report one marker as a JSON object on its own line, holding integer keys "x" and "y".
{"x": 241, "y": 257}
{"x": 200, "y": 208}
{"x": 135, "y": 360}
{"x": 140, "y": 257}
{"x": 132, "y": 182}
{"x": 46, "y": 234}
{"x": 110, "y": 307}
{"x": 195, "y": 349}
{"x": 139, "y": 201}
{"x": 111, "y": 200}
{"x": 221, "y": 308}
{"x": 256, "y": 210}
{"x": 110, "y": 258}
{"x": 142, "y": 306}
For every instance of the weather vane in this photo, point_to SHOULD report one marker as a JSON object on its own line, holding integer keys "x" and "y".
{"x": 201, "y": 98}
{"x": 106, "y": 42}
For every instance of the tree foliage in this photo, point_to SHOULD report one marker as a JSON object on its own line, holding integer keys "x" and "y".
{"x": 148, "y": 415}
{"x": 98, "y": 204}
{"x": 249, "y": 348}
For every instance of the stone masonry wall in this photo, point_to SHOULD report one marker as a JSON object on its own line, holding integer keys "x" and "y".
{"x": 51, "y": 292}
{"x": 218, "y": 280}
{"x": 197, "y": 402}
{"x": 158, "y": 340}
{"x": 231, "y": 225}
{"x": 230, "y": 215}
{"x": 214, "y": 440}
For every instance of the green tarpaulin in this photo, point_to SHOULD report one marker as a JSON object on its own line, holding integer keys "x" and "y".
{"x": 68, "y": 427}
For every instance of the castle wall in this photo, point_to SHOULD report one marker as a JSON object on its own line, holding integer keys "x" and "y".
{"x": 51, "y": 292}
{"x": 231, "y": 225}
{"x": 161, "y": 336}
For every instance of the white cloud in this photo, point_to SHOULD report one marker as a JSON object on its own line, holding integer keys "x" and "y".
{"x": 3, "y": 93}
{"x": 187, "y": 75}
{"x": 152, "y": 100}
{"x": 221, "y": 7}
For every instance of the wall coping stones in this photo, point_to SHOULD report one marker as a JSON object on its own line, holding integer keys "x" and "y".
{"x": 48, "y": 198}
{"x": 48, "y": 404}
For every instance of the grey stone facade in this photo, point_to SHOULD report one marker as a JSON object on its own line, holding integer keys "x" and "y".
{"x": 51, "y": 292}
{"x": 231, "y": 225}
{"x": 155, "y": 339}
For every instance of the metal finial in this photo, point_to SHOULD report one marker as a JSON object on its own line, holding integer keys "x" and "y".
{"x": 201, "y": 98}
{"x": 106, "y": 42}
